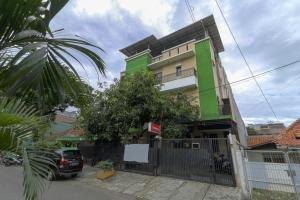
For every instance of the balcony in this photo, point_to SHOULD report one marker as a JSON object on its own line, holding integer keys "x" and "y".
{"x": 186, "y": 79}
{"x": 173, "y": 54}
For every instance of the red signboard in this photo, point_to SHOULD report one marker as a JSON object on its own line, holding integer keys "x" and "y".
{"x": 154, "y": 128}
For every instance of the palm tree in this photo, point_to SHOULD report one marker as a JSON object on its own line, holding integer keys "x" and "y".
{"x": 35, "y": 62}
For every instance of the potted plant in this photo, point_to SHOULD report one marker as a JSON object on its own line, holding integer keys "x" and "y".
{"x": 106, "y": 169}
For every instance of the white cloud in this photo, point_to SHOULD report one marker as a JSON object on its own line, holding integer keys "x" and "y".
{"x": 155, "y": 13}
{"x": 93, "y": 7}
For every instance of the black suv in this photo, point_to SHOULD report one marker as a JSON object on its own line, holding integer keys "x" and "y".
{"x": 69, "y": 163}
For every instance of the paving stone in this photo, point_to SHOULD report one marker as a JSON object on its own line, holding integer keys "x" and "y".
{"x": 133, "y": 189}
{"x": 161, "y": 188}
{"x": 191, "y": 191}
{"x": 218, "y": 192}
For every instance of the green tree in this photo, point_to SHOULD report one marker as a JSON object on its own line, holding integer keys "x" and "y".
{"x": 36, "y": 65}
{"x": 120, "y": 111}
{"x": 251, "y": 131}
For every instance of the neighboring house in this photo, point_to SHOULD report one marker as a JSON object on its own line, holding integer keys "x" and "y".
{"x": 288, "y": 139}
{"x": 260, "y": 142}
{"x": 62, "y": 128}
{"x": 273, "y": 162}
{"x": 267, "y": 129}
{"x": 291, "y": 138}
{"x": 188, "y": 60}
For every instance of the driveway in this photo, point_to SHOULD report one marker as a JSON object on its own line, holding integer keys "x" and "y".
{"x": 11, "y": 188}
{"x": 161, "y": 188}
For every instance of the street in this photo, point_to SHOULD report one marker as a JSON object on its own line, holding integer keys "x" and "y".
{"x": 66, "y": 189}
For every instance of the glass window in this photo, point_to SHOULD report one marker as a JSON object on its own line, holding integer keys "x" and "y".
{"x": 178, "y": 71}
{"x": 273, "y": 157}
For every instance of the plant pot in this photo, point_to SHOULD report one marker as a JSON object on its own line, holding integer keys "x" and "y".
{"x": 104, "y": 174}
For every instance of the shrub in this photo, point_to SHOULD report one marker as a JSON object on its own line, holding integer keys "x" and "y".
{"x": 105, "y": 165}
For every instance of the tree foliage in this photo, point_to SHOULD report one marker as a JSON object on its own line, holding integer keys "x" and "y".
{"x": 120, "y": 111}
{"x": 37, "y": 76}
{"x": 36, "y": 61}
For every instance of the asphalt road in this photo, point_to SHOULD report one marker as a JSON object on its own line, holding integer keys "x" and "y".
{"x": 67, "y": 189}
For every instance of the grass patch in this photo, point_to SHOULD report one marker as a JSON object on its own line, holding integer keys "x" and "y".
{"x": 260, "y": 194}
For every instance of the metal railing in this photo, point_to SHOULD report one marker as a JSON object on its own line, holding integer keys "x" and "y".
{"x": 273, "y": 174}
{"x": 174, "y": 76}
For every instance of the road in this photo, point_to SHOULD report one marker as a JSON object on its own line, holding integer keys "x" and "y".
{"x": 67, "y": 189}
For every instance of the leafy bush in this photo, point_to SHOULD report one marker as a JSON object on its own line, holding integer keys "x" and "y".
{"x": 105, "y": 165}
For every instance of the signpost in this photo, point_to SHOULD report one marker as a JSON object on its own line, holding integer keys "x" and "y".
{"x": 153, "y": 128}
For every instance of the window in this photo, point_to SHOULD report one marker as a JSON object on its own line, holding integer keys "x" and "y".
{"x": 264, "y": 127}
{"x": 195, "y": 145}
{"x": 273, "y": 157}
{"x": 178, "y": 50}
{"x": 178, "y": 71}
{"x": 169, "y": 53}
{"x": 187, "y": 47}
{"x": 158, "y": 77}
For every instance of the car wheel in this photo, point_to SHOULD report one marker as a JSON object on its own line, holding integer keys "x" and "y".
{"x": 74, "y": 175}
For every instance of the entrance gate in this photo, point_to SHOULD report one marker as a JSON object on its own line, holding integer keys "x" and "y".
{"x": 205, "y": 160}
{"x": 200, "y": 159}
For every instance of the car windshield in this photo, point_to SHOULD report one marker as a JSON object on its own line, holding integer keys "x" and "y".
{"x": 71, "y": 154}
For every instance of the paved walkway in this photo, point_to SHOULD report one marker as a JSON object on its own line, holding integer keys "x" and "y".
{"x": 161, "y": 188}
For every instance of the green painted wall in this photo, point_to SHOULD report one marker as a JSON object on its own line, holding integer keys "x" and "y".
{"x": 207, "y": 95}
{"x": 138, "y": 64}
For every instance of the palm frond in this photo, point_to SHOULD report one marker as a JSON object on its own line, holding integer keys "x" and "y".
{"x": 36, "y": 167}
{"x": 18, "y": 123}
{"x": 33, "y": 59}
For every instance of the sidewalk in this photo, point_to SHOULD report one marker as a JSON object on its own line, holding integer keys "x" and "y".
{"x": 160, "y": 188}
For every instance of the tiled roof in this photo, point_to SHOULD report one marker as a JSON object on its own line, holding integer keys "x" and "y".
{"x": 258, "y": 140}
{"x": 292, "y": 136}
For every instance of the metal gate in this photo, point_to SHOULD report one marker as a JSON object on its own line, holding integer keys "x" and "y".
{"x": 206, "y": 160}
{"x": 273, "y": 174}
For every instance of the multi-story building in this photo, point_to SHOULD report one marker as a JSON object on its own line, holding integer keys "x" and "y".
{"x": 188, "y": 60}
{"x": 267, "y": 129}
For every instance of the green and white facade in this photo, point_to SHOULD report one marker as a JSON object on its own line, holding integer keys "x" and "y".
{"x": 188, "y": 60}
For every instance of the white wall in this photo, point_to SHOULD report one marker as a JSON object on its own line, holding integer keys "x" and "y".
{"x": 190, "y": 81}
{"x": 269, "y": 176}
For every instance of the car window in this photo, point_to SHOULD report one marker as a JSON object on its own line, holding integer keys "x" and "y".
{"x": 71, "y": 154}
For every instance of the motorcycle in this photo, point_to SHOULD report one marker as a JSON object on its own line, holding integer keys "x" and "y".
{"x": 9, "y": 159}
{"x": 222, "y": 165}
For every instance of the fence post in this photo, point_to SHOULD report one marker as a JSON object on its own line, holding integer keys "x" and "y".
{"x": 211, "y": 152}
{"x": 156, "y": 156}
{"x": 291, "y": 173}
{"x": 231, "y": 150}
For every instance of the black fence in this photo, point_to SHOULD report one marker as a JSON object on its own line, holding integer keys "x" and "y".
{"x": 204, "y": 159}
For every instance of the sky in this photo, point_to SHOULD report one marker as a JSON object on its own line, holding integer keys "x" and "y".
{"x": 267, "y": 32}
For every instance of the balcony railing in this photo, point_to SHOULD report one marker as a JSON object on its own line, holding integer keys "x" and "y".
{"x": 174, "y": 76}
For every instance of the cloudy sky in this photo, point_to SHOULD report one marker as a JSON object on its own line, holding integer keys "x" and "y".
{"x": 268, "y": 32}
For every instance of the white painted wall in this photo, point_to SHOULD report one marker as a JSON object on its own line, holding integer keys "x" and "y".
{"x": 180, "y": 83}
{"x": 270, "y": 176}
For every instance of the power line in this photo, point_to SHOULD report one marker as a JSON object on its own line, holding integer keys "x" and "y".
{"x": 256, "y": 75}
{"x": 189, "y": 7}
{"x": 246, "y": 62}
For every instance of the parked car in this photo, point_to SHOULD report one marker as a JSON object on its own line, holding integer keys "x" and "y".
{"x": 69, "y": 163}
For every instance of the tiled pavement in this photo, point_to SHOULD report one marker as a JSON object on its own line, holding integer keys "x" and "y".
{"x": 160, "y": 188}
